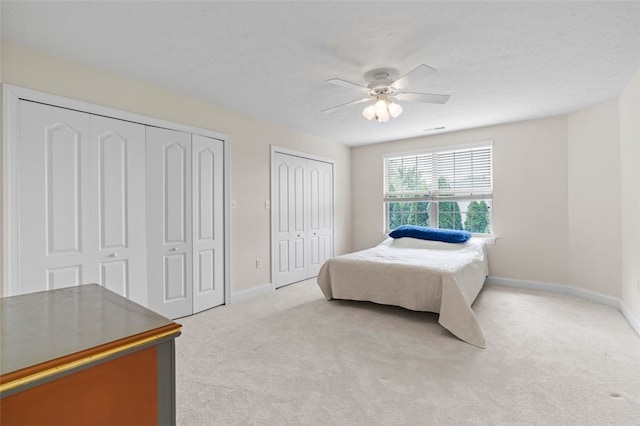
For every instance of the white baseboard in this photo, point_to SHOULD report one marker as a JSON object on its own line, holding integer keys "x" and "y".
{"x": 573, "y": 291}
{"x": 251, "y": 293}
{"x": 556, "y": 288}
{"x": 633, "y": 321}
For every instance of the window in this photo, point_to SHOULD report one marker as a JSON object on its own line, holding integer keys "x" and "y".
{"x": 450, "y": 189}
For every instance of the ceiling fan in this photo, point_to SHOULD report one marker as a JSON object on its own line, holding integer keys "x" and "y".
{"x": 383, "y": 91}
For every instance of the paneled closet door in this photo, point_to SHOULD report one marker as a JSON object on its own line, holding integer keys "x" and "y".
{"x": 320, "y": 215}
{"x": 56, "y": 245}
{"x": 118, "y": 182}
{"x": 169, "y": 222}
{"x": 208, "y": 232}
{"x": 290, "y": 219}
{"x": 81, "y": 201}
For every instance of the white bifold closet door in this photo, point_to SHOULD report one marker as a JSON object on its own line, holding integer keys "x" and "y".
{"x": 303, "y": 217}
{"x": 207, "y": 170}
{"x": 185, "y": 222}
{"x": 320, "y": 217}
{"x": 117, "y": 162}
{"x": 81, "y": 201}
{"x": 290, "y": 212}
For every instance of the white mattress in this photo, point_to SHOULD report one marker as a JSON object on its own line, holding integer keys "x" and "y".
{"x": 416, "y": 274}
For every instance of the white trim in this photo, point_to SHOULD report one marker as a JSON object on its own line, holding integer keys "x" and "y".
{"x": 227, "y": 220}
{"x": 435, "y": 197}
{"x": 300, "y": 154}
{"x": 11, "y": 95}
{"x": 10, "y": 214}
{"x": 252, "y": 292}
{"x": 572, "y": 291}
{"x": 555, "y": 288}
{"x": 274, "y": 150}
{"x": 487, "y": 239}
{"x": 440, "y": 149}
{"x": 64, "y": 102}
{"x": 633, "y": 321}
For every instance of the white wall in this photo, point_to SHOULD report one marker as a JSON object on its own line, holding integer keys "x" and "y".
{"x": 629, "y": 108}
{"x": 566, "y": 207}
{"x": 594, "y": 199}
{"x": 545, "y": 178}
{"x": 250, "y": 146}
{"x": 530, "y": 210}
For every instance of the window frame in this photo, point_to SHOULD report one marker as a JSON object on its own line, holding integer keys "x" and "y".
{"x": 434, "y": 197}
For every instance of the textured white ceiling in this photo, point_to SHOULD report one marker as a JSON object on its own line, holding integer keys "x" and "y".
{"x": 500, "y": 61}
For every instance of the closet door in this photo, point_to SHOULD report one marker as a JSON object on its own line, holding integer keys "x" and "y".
{"x": 169, "y": 222}
{"x": 208, "y": 232}
{"x": 320, "y": 215}
{"x": 289, "y": 210}
{"x": 326, "y": 213}
{"x": 118, "y": 213}
{"x": 56, "y": 246}
{"x": 81, "y": 201}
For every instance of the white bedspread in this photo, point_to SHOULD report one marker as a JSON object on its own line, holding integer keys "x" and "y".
{"x": 415, "y": 274}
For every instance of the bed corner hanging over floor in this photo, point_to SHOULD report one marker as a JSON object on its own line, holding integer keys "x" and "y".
{"x": 415, "y": 274}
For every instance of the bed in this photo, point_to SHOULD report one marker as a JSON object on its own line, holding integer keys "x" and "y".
{"x": 416, "y": 274}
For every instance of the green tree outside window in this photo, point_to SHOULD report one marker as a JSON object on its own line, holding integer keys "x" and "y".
{"x": 477, "y": 217}
{"x": 449, "y": 216}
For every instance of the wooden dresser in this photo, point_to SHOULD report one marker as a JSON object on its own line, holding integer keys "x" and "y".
{"x": 85, "y": 355}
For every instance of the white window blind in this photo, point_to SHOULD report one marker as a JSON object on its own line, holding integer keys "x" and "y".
{"x": 459, "y": 174}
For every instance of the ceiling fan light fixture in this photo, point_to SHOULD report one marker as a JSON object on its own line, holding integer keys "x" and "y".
{"x": 384, "y": 117}
{"x": 395, "y": 109}
{"x": 383, "y": 90}
{"x": 369, "y": 112}
{"x": 380, "y": 107}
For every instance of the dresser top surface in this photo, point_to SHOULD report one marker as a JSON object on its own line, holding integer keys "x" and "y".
{"x": 43, "y": 326}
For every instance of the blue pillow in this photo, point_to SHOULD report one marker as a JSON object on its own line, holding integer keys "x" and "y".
{"x": 434, "y": 234}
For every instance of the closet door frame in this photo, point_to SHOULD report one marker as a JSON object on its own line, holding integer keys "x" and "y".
{"x": 11, "y": 97}
{"x": 276, "y": 149}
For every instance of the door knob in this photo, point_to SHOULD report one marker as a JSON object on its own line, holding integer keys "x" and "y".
{"x": 114, "y": 255}
{"x": 174, "y": 249}
{"x": 298, "y": 235}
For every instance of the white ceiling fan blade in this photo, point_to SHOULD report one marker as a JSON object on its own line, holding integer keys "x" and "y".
{"x": 418, "y": 73}
{"x": 422, "y": 97}
{"x": 347, "y": 84}
{"x": 347, "y": 104}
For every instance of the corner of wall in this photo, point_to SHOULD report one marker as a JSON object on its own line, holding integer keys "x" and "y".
{"x": 594, "y": 258}
{"x": 629, "y": 107}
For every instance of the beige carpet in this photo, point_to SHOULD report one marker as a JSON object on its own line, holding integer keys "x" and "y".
{"x": 293, "y": 358}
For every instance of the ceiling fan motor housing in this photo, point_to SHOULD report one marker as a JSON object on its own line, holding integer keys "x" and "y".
{"x": 381, "y": 85}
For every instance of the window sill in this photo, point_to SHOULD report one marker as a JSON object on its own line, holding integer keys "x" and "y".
{"x": 488, "y": 239}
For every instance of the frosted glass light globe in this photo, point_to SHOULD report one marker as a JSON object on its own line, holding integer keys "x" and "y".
{"x": 384, "y": 117}
{"x": 395, "y": 109}
{"x": 369, "y": 112}
{"x": 380, "y": 107}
